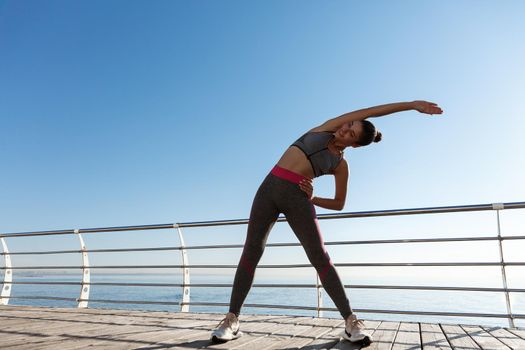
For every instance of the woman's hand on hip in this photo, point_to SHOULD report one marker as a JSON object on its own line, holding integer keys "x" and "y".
{"x": 307, "y": 187}
{"x": 427, "y": 107}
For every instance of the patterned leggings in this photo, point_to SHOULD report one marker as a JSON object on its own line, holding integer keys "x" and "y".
{"x": 280, "y": 193}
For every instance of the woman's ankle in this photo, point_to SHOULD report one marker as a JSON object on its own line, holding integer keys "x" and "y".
{"x": 234, "y": 313}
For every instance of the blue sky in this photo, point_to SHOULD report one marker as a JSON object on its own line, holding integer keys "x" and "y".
{"x": 119, "y": 113}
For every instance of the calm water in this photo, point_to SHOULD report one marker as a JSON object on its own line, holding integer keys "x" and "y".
{"x": 478, "y": 302}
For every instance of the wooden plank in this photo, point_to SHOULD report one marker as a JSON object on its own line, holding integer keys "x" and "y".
{"x": 254, "y": 336}
{"x": 511, "y": 340}
{"x": 75, "y": 333}
{"x": 306, "y": 330}
{"x": 90, "y": 320}
{"x": 408, "y": 337}
{"x": 151, "y": 337}
{"x": 64, "y": 338}
{"x": 81, "y": 331}
{"x": 29, "y": 315}
{"x": 148, "y": 320}
{"x": 458, "y": 338}
{"x": 484, "y": 339}
{"x": 331, "y": 338}
{"x": 284, "y": 327}
{"x": 29, "y": 320}
{"x": 45, "y": 335}
{"x": 85, "y": 338}
{"x": 433, "y": 338}
{"x": 518, "y": 332}
{"x": 301, "y": 332}
{"x": 12, "y": 321}
{"x": 135, "y": 340}
{"x": 318, "y": 327}
{"x": 36, "y": 328}
{"x": 383, "y": 336}
{"x": 76, "y": 318}
{"x": 195, "y": 339}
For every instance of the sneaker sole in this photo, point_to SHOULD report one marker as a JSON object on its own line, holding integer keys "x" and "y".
{"x": 216, "y": 339}
{"x": 364, "y": 341}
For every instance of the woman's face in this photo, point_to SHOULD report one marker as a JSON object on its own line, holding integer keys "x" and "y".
{"x": 349, "y": 133}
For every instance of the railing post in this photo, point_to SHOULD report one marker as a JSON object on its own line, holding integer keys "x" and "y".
{"x": 185, "y": 307}
{"x": 84, "y": 288}
{"x": 498, "y": 207}
{"x": 319, "y": 296}
{"x": 8, "y": 276}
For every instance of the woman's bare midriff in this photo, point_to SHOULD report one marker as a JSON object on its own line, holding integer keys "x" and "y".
{"x": 295, "y": 160}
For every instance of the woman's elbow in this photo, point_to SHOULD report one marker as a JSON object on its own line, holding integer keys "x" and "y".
{"x": 340, "y": 205}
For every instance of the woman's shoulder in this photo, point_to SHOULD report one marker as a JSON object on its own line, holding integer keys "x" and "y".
{"x": 320, "y": 129}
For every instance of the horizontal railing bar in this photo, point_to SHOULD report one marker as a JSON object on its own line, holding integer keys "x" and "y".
{"x": 460, "y": 289}
{"x": 167, "y": 284}
{"x": 111, "y": 301}
{"x": 425, "y": 240}
{"x": 428, "y": 313}
{"x": 266, "y": 306}
{"x": 292, "y": 244}
{"x": 505, "y": 238}
{"x": 394, "y": 212}
{"x": 270, "y": 306}
{"x": 267, "y": 266}
{"x": 101, "y": 284}
{"x": 94, "y": 251}
{"x": 434, "y": 264}
{"x": 42, "y": 298}
{"x": 90, "y": 230}
{"x": 45, "y": 252}
{"x": 50, "y": 283}
{"x": 99, "y": 300}
{"x": 273, "y": 285}
{"x": 377, "y": 241}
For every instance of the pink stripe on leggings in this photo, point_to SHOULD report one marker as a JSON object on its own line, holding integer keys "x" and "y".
{"x": 287, "y": 174}
{"x": 323, "y": 273}
{"x": 247, "y": 266}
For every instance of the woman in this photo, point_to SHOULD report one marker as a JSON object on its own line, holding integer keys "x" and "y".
{"x": 288, "y": 189}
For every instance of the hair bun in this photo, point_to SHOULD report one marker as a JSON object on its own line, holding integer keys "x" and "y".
{"x": 378, "y": 137}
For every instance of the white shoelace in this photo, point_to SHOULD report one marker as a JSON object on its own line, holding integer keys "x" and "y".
{"x": 359, "y": 323}
{"x": 227, "y": 321}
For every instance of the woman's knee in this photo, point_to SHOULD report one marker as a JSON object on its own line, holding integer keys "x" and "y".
{"x": 323, "y": 265}
{"x": 318, "y": 258}
{"x": 249, "y": 260}
{"x": 253, "y": 247}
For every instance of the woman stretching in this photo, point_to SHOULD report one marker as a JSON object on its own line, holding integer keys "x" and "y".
{"x": 288, "y": 189}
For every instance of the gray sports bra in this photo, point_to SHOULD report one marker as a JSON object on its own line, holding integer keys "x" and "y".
{"x": 314, "y": 146}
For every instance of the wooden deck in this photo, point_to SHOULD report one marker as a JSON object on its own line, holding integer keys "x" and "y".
{"x": 24, "y": 327}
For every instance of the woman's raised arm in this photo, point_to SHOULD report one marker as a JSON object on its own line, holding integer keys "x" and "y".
{"x": 381, "y": 110}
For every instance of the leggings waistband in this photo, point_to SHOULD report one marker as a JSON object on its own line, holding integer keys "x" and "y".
{"x": 287, "y": 174}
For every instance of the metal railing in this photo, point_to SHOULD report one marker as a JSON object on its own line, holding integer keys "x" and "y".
{"x": 184, "y": 304}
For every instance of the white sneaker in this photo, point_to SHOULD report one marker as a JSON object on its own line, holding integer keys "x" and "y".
{"x": 227, "y": 329}
{"x": 355, "y": 330}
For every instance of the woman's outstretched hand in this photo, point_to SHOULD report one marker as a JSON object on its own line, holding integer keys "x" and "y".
{"x": 306, "y": 186}
{"x": 427, "y": 107}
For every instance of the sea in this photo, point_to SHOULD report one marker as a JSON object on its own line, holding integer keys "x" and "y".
{"x": 360, "y": 299}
